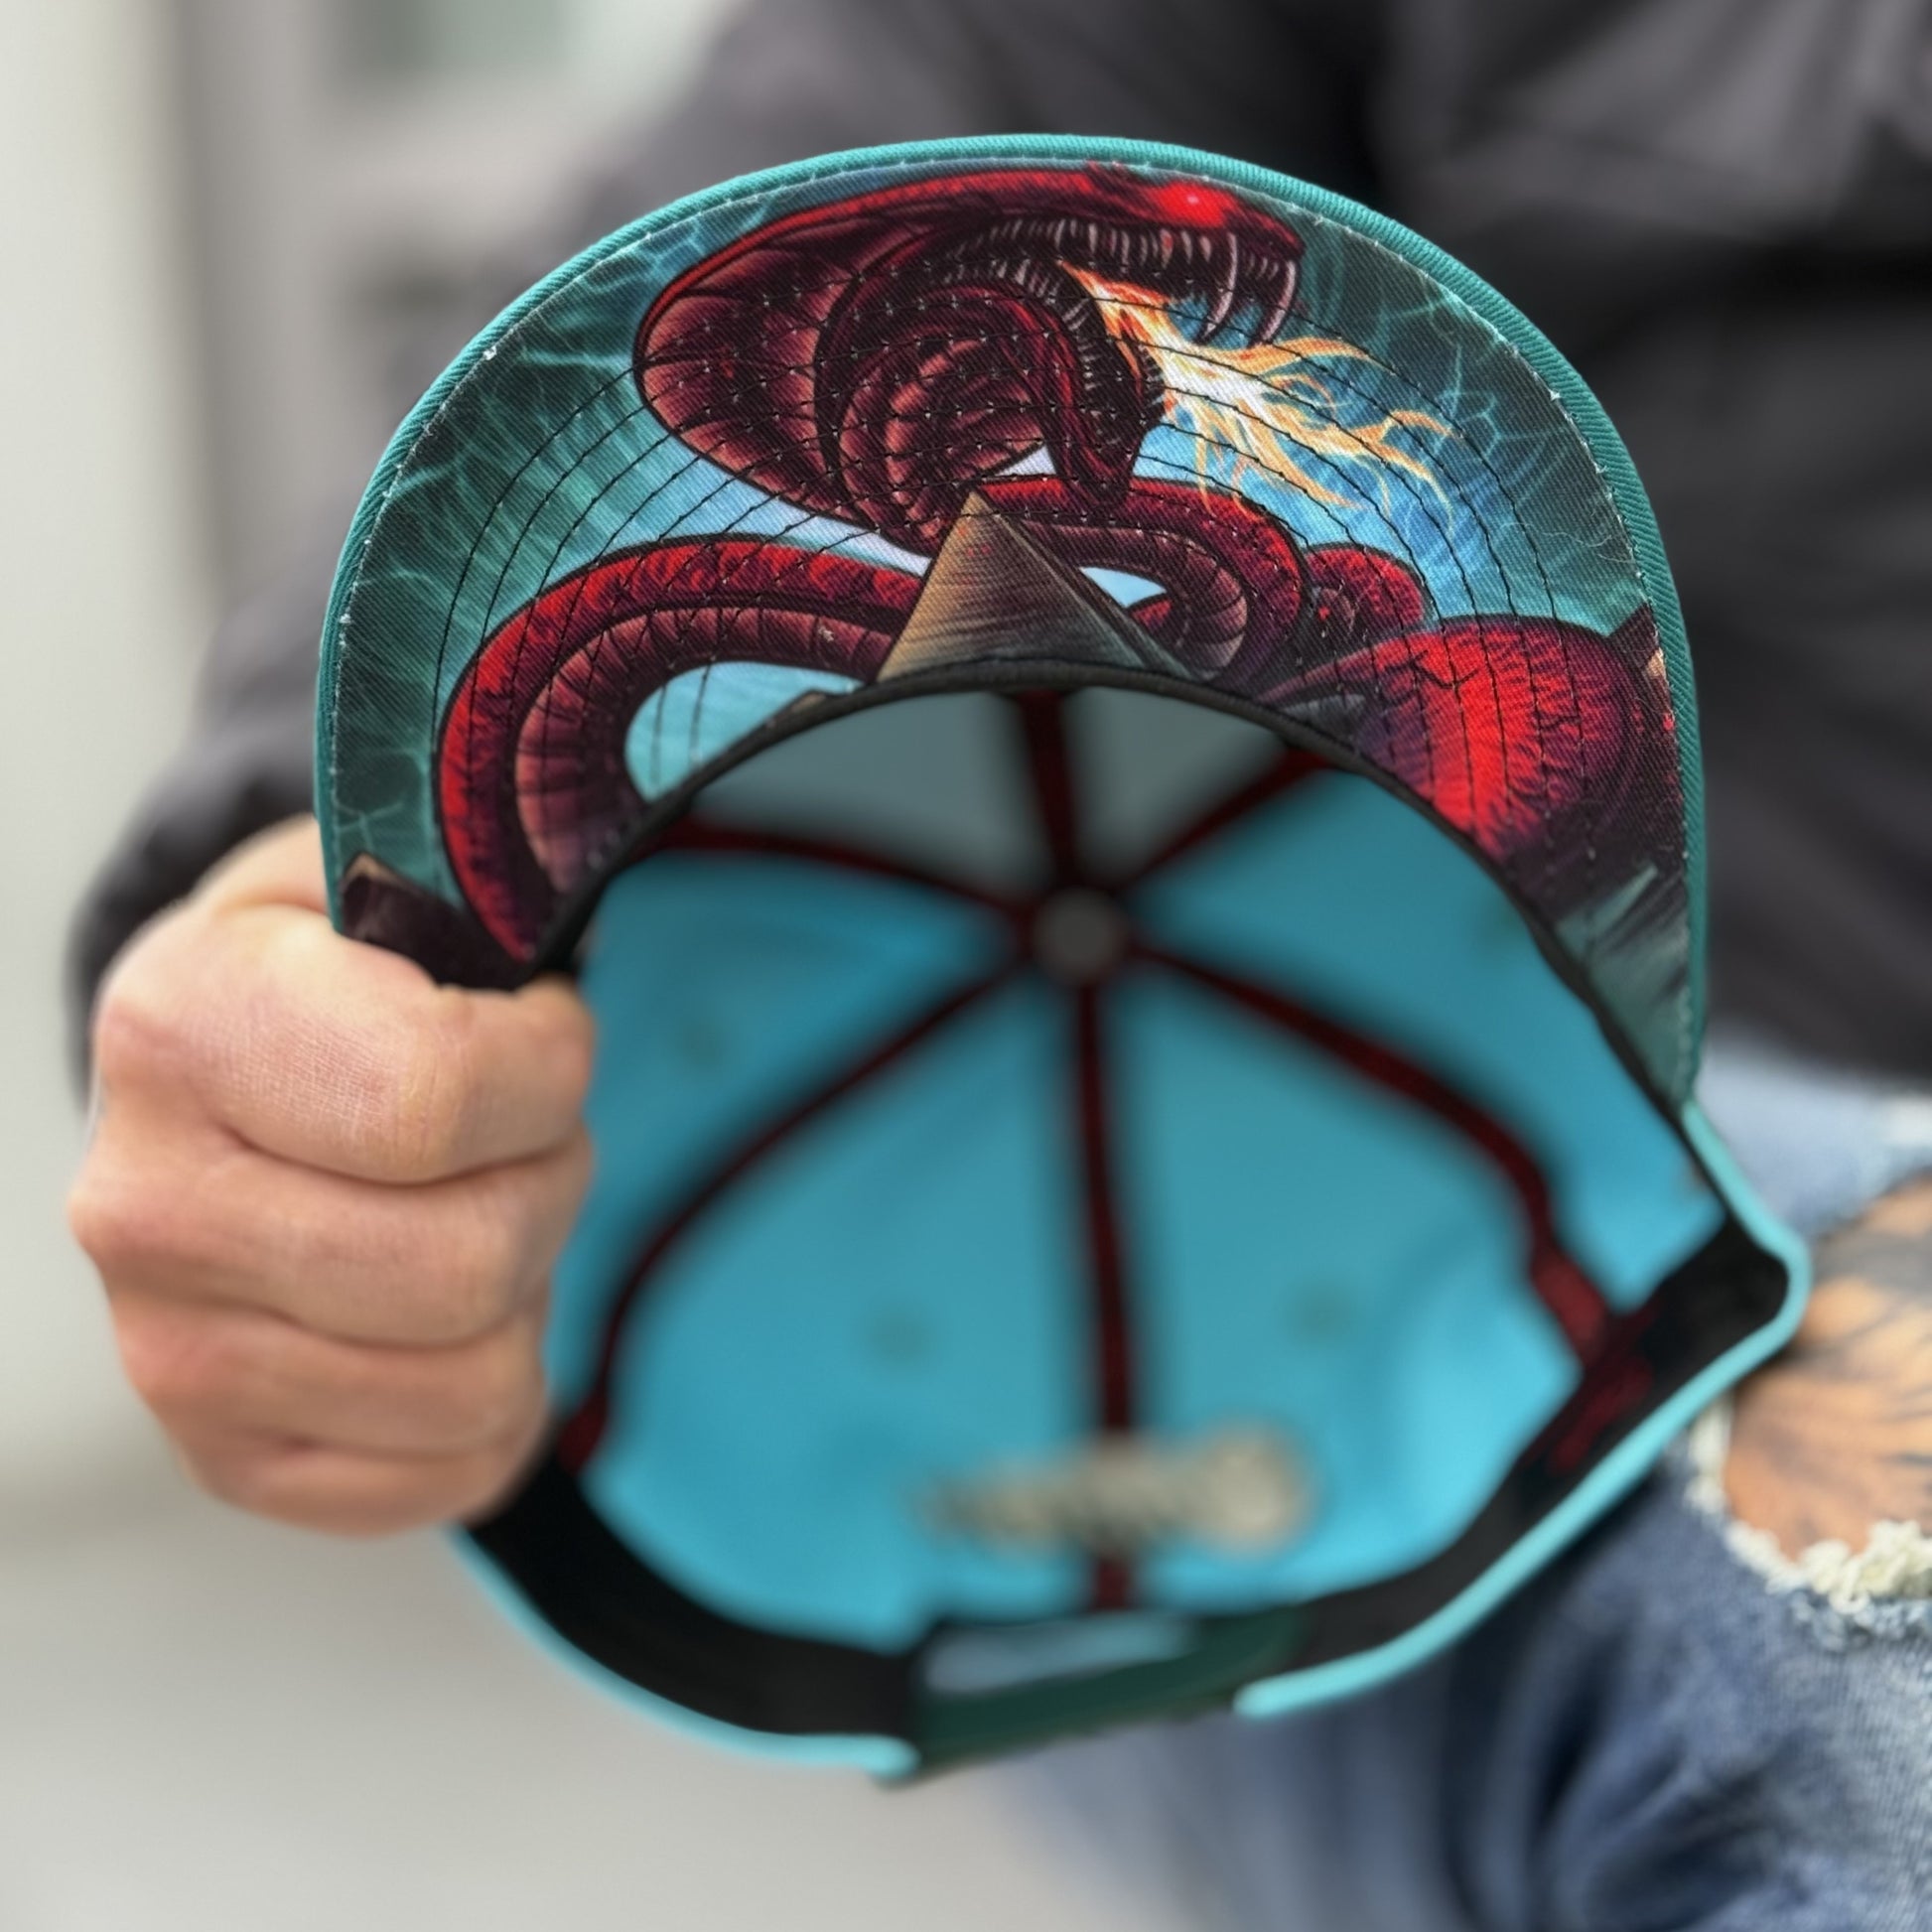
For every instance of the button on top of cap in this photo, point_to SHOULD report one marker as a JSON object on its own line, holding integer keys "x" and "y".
{"x": 1079, "y": 935}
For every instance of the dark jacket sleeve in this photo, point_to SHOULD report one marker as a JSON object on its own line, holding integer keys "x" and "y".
{"x": 1273, "y": 81}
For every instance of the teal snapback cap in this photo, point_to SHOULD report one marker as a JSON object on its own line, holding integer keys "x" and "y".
{"x": 1107, "y": 737}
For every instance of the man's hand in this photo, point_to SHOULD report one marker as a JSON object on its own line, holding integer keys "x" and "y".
{"x": 325, "y": 1194}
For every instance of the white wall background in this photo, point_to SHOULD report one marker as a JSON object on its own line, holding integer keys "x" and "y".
{"x": 99, "y": 548}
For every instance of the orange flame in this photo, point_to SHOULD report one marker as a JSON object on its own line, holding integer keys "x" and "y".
{"x": 1262, "y": 402}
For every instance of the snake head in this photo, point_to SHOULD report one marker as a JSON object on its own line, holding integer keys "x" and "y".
{"x": 1196, "y": 245}
{"x": 878, "y": 357}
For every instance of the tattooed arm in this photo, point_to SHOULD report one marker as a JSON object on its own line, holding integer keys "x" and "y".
{"x": 1836, "y": 1434}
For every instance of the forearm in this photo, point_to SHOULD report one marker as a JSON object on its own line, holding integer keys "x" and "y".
{"x": 1837, "y": 1433}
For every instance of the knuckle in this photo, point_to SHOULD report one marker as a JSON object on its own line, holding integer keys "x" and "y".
{"x": 150, "y": 1358}
{"x": 135, "y": 1032}
{"x": 131, "y": 1216}
{"x": 178, "y": 1367}
{"x": 94, "y": 1219}
{"x": 144, "y": 1023}
{"x": 116, "y": 1220}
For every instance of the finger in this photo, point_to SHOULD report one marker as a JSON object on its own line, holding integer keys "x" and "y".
{"x": 279, "y": 867}
{"x": 347, "y": 1493}
{"x": 204, "y": 1218}
{"x": 209, "y": 1368}
{"x": 336, "y": 1054}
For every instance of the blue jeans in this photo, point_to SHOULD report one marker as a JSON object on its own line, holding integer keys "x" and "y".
{"x": 1650, "y": 1737}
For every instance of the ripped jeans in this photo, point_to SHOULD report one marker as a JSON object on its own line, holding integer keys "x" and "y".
{"x": 1670, "y": 1730}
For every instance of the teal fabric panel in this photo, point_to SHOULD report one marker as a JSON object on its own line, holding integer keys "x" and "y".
{"x": 1363, "y": 908}
{"x": 1322, "y": 1259}
{"x": 721, "y": 991}
{"x": 892, "y": 1303}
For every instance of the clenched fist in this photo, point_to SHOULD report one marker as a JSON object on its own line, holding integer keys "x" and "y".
{"x": 325, "y": 1195}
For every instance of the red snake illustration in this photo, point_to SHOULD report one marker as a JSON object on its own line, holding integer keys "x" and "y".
{"x": 882, "y": 359}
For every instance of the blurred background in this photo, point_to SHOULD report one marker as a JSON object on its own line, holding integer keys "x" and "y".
{"x": 229, "y": 227}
